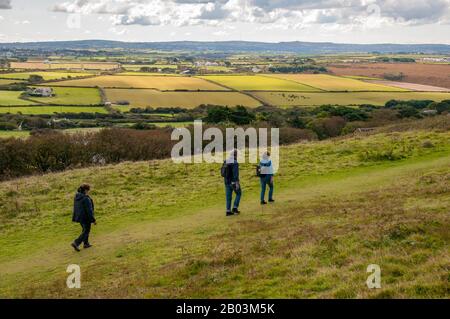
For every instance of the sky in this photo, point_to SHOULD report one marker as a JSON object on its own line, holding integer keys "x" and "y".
{"x": 341, "y": 21}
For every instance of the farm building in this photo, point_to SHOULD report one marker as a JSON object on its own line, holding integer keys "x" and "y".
{"x": 40, "y": 92}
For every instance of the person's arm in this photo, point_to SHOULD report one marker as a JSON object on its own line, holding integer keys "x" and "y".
{"x": 89, "y": 209}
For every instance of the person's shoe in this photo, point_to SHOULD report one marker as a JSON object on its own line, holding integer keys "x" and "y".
{"x": 86, "y": 246}
{"x": 230, "y": 214}
{"x": 236, "y": 211}
{"x": 263, "y": 203}
{"x": 74, "y": 246}
{"x": 271, "y": 200}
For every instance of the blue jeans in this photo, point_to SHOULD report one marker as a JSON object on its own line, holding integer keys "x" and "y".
{"x": 229, "y": 189}
{"x": 266, "y": 180}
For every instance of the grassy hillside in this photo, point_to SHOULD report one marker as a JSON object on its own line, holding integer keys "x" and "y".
{"x": 341, "y": 205}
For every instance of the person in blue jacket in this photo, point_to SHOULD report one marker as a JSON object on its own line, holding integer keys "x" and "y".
{"x": 232, "y": 183}
{"x": 266, "y": 178}
{"x": 83, "y": 213}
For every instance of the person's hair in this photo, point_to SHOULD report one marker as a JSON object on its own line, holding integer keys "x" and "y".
{"x": 84, "y": 188}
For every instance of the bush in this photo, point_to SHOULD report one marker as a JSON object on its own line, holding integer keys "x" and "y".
{"x": 7, "y": 126}
{"x": 328, "y": 127}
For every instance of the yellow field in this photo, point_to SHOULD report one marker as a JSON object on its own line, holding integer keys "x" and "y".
{"x": 163, "y": 83}
{"x": 335, "y": 83}
{"x": 153, "y": 98}
{"x": 48, "y": 76}
{"x": 351, "y": 98}
{"x": 258, "y": 83}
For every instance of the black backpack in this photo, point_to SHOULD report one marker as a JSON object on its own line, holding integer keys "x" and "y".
{"x": 225, "y": 171}
{"x": 258, "y": 170}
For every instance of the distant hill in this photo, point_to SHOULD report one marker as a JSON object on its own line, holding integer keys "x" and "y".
{"x": 235, "y": 46}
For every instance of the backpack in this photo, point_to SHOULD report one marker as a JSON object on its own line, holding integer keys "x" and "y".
{"x": 258, "y": 170}
{"x": 225, "y": 171}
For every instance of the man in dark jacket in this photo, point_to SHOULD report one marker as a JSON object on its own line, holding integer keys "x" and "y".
{"x": 83, "y": 213}
{"x": 232, "y": 183}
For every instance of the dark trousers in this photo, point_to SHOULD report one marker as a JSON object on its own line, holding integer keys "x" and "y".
{"x": 229, "y": 190}
{"x": 84, "y": 237}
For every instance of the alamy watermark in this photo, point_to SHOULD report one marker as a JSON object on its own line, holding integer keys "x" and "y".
{"x": 190, "y": 148}
{"x": 374, "y": 280}
{"x": 74, "y": 279}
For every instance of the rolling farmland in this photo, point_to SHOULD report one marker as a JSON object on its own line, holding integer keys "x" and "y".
{"x": 163, "y": 83}
{"x": 258, "y": 83}
{"x": 153, "y": 98}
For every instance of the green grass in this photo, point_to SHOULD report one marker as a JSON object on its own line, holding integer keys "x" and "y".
{"x": 258, "y": 83}
{"x": 286, "y": 99}
{"x": 162, "y": 230}
{"x": 72, "y": 96}
{"x": 17, "y": 134}
{"x": 48, "y": 76}
{"x": 8, "y": 98}
{"x": 41, "y": 110}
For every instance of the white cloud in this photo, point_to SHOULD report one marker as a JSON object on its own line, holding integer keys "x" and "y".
{"x": 284, "y": 14}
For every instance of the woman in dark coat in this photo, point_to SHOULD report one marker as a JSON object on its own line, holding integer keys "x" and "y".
{"x": 83, "y": 213}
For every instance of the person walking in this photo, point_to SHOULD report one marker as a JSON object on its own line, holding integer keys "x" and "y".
{"x": 230, "y": 173}
{"x": 266, "y": 178}
{"x": 83, "y": 213}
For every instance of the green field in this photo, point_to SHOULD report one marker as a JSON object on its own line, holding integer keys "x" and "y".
{"x": 72, "y": 96}
{"x": 17, "y": 134}
{"x": 42, "y": 110}
{"x": 7, "y": 82}
{"x": 163, "y": 83}
{"x": 285, "y": 99}
{"x": 335, "y": 83}
{"x": 12, "y": 98}
{"x": 48, "y": 76}
{"x": 162, "y": 232}
{"x": 152, "y": 98}
{"x": 258, "y": 83}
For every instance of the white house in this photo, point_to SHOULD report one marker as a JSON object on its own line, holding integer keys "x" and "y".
{"x": 41, "y": 92}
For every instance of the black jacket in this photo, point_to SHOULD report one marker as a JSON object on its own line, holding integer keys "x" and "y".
{"x": 83, "y": 209}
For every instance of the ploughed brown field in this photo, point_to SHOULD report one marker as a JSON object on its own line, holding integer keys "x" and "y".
{"x": 427, "y": 74}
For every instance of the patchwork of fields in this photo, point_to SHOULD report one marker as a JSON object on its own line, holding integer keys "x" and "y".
{"x": 163, "y": 83}
{"x": 153, "y": 98}
{"x": 140, "y": 89}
